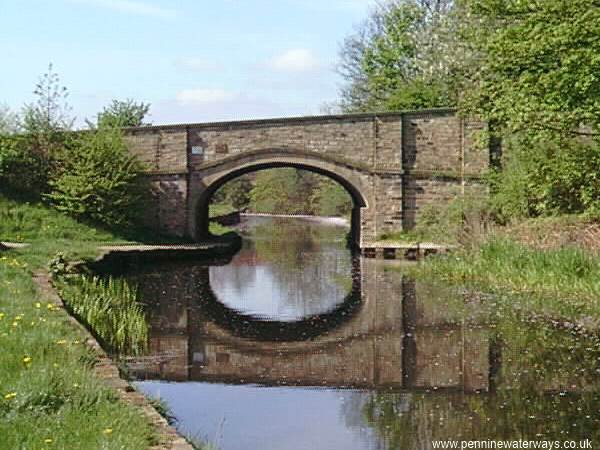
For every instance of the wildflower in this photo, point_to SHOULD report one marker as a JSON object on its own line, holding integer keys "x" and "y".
{"x": 61, "y": 342}
{"x": 50, "y": 306}
{"x": 75, "y": 385}
{"x": 107, "y": 431}
{"x": 38, "y": 305}
{"x": 19, "y": 317}
{"x": 15, "y": 324}
{"x": 10, "y": 395}
{"x": 27, "y": 359}
{"x": 54, "y": 365}
{"x": 1, "y": 315}
{"x": 48, "y": 441}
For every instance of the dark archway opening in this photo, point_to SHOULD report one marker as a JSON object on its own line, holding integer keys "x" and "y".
{"x": 356, "y": 199}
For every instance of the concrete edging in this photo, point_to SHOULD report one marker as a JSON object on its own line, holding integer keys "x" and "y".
{"x": 106, "y": 370}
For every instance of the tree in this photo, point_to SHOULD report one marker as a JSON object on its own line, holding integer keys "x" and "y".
{"x": 50, "y": 113}
{"x": 536, "y": 81}
{"x": 402, "y": 57}
{"x": 538, "y": 65}
{"x": 99, "y": 180}
{"x": 119, "y": 113}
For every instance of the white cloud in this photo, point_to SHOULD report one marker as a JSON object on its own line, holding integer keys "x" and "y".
{"x": 196, "y": 64}
{"x": 203, "y": 96}
{"x": 295, "y": 60}
{"x": 132, "y": 7}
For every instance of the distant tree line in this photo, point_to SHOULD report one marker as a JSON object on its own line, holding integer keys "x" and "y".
{"x": 529, "y": 68}
{"x": 285, "y": 191}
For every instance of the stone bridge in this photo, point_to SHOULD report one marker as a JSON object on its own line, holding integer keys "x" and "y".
{"x": 391, "y": 164}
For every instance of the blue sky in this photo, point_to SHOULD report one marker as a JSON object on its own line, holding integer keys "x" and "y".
{"x": 192, "y": 60}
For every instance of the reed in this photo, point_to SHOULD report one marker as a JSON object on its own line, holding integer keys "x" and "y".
{"x": 111, "y": 309}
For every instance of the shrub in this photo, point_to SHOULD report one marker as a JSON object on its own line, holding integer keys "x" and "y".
{"x": 22, "y": 169}
{"x": 99, "y": 179}
{"x": 547, "y": 178}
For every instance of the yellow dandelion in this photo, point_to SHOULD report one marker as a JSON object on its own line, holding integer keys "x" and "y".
{"x": 54, "y": 365}
{"x": 19, "y": 317}
{"x": 50, "y": 306}
{"x": 76, "y": 341}
{"x": 76, "y": 385}
{"x": 10, "y": 395}
{"x": 38, "y": 305}
{"x": 27, "y": 359}
{"x": 61, "y": 342}
{"x": 1, "y": 315}
{"x": 108, "y": 430}
{"x": 48, "y": 440}
{"x": 15, "y": 324}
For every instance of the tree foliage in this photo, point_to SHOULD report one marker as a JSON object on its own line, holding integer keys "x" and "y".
{"x": 123, "y": 113}
{"x": 285, "y": 191}
{"x": 537, "y": 64}
{"x": 99, "y": 180}
{"x": 536, "y": 81}
{"x": 49, "y": 115}
{"x": 400, "y": 58}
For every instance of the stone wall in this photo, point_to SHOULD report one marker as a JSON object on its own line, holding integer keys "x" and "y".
{"x": 394, "y": 164}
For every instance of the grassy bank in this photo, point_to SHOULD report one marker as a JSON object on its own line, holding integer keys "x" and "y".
{"x": 50, "y": 398}
{"x": 49, "y": 395}
{"x": 561, "y": 285}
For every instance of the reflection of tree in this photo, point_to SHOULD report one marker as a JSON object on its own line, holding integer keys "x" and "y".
{"x": 546, "y": 389}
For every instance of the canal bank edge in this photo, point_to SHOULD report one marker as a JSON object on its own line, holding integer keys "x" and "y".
{"x": 106, "y": 370}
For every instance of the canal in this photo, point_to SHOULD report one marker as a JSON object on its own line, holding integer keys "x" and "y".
{"x": 297, "y": 344}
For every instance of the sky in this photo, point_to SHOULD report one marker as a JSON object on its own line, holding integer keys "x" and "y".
{"x": 192, "y": 60}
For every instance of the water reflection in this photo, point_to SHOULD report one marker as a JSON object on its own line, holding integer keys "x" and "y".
{"x": 383, "y": 362}
{"x": 289, "y": 269}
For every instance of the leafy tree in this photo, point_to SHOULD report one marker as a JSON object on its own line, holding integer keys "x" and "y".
{"x": 99, "y": 180}
{"x": 402, "y": 57}
{"x": 538, "y": 64}
{"x": 536, "y": 81}
{"x": 44, "y": 123}
{"x": 235, "y": 193}
{"x": 127, "y": 113}
{"x": 331, "y": 199}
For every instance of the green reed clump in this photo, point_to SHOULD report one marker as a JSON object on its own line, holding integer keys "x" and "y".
{"x": 111, "y": 309}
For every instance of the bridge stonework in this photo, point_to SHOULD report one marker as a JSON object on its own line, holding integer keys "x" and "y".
{"x": 392, "y": 164}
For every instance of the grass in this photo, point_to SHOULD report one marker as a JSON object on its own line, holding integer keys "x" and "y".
{"x": 561, "y": 285}
{"x": 49, "y": 396}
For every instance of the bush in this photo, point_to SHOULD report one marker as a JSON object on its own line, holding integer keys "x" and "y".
{"x": 545, "y": 178}
{"x": 99, "y": 179}
{"x": 22, "y": 169}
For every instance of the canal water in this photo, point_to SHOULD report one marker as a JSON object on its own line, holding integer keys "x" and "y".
{"x": 296, "y": 344}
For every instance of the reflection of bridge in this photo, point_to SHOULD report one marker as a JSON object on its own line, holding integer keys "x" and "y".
{"x": 397, "y": 339}
{"x": 391, "y": 164}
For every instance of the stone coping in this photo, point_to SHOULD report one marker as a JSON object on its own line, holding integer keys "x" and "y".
{"x": 13, "y": 245}
{"x": 107, "y": 370}
{"x": 297, "y": 119}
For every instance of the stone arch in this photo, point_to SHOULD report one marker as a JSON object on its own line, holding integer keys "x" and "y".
{"x": 205, "y": 182}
